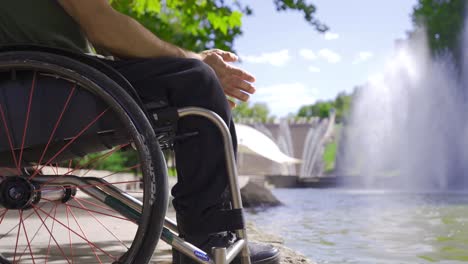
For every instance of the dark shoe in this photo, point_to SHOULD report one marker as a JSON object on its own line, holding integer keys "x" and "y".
{"x": 262, "y": 254}
{"x": 259, "y": 253}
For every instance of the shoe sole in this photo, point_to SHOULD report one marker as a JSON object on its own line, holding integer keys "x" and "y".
{"x": 275, "y": 259}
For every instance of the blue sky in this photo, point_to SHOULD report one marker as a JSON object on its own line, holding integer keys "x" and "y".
{"x": 295, "y": 65}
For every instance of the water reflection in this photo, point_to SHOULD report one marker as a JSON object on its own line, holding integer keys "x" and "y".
{"x": 343, "y": 226}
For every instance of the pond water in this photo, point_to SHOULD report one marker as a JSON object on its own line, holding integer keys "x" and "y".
{"x": 370, "y": 226}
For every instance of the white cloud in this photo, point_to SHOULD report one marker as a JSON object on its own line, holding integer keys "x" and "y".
{"x": 329, "y": 55}
{"x": 314, "y": 69}
{"x": 286, "y": 98}
{"x": 331, "y": 36}
{"x": 308, "y": 54}
{"x": 363, "y": 56}
{"x": 277, "y": 58}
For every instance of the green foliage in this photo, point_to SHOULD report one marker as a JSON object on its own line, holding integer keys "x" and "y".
{"x": 258, "y": 112}
{"x": 341, "y": 105}
{"x": 443, "y": 20}
{"x": 319, "y": 109}
{"x": 172, "y": 172}
{"x": 202, "y": 24}
{"x": 329, "y": 156}
{"x": 118, "y": 161}
{"x": 307, "y": 9}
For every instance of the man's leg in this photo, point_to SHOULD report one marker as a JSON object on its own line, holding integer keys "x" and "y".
{"x": 202, "y": 179}
{"x": 201, "y": 191}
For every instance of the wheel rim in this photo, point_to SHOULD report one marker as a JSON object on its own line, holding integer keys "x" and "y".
{"x": 80, "y": 229}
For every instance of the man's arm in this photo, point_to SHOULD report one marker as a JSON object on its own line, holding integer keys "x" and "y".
{"x": 121, "y": 35}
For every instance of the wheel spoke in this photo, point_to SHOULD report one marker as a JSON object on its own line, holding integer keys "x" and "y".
{"x": 27, "y": 238}
{"x": 26, "y": 122}
{"x": 105, "y": 184}
{"x": 7, "y": 132}
{"x": 86, "y": 186}
{"x": 3, "y": 216}
{"x": 54, "y": 170}
{"x": 107, "y": 154}
{"x": 90, "y": 185}
{"x": 105, "y": 227}
{"x": 85, "y": 239}
{"x": 81, "y": 229}
{"x": 51, "y": 235}
{"x": 97, "y": 205}
{"x": 37, "y": 231}
{"x": 70, "y": 142}
{"x": 69, "y": 233}
{"x": 52, "y": 231}
{"x": 13, "y": 228}
{"x": 59, "y": 120}
{"x": 101, "y": 213}
{"x": 69, "y": 164}
{"x": 124, "y": 170}
{"x": 17, "y": 236}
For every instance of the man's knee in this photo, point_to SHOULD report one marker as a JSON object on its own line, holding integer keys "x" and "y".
{"x": 205, "y": 78}
{"x": 204, "y": 89}
{"x": 201, "y": 71}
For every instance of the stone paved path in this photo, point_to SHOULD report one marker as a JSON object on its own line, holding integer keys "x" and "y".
{"x": 81, "y": 250}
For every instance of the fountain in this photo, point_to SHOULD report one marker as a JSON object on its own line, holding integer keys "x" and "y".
{"x": 409, "y": 126}
{"x": 314, "y": 144}
{"x": 285, "y": 144}
{"x": 302, "y": 139}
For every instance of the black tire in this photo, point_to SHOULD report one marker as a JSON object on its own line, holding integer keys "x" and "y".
{"x": 130, "y": 117}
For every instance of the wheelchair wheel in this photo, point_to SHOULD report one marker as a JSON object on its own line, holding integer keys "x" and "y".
{"x": 82, "y": 176}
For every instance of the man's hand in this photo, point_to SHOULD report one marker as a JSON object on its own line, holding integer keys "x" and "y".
{"x": 236, "y": 82}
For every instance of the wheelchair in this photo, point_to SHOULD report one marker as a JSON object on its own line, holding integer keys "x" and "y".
{"x": 61, "y": 115}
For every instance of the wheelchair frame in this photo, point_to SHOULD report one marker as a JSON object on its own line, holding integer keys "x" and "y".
{"x": 133, "y": 206}
{"x": 220, "y": 255}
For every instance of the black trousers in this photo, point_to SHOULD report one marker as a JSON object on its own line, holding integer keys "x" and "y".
{"x": 201, "y": 190}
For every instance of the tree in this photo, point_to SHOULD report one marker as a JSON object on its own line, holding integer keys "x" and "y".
{"x": 203, "y": 24}
{"x": 443, "y": 21}
{"x": 258, "y": 112}
{"x": 320, "y": 109}
{"x": 341, "y": 105}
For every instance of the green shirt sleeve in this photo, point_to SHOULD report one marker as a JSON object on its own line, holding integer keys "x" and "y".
{"x": 40, "y": 22}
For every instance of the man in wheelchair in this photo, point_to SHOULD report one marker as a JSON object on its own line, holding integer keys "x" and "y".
{"x": 162, "y": 74}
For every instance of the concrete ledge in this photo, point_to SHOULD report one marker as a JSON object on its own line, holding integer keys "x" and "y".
{"x": 288, "y": 256}
{"x": 163, "y": 254}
